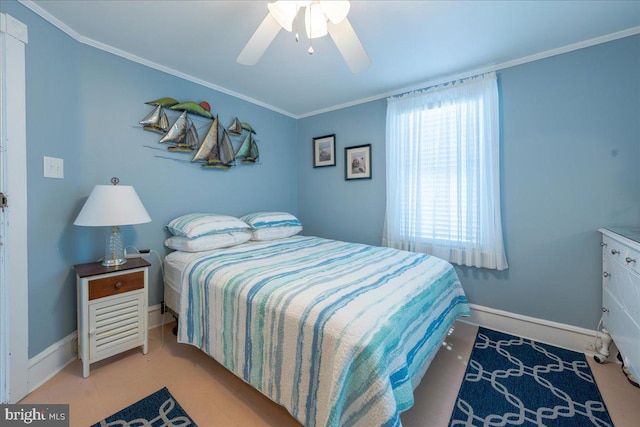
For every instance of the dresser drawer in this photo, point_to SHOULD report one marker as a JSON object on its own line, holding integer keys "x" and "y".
{"x": 114, "y": 285}
{"x": 614, "y": 249}
{"x": 624, "y": 286}
{"x": 632, "y": 260}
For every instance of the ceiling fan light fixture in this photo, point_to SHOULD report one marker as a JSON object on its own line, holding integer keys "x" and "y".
{"x": 321, "y": 18}
{"x": 284, "y": 12}
{"x": 315, "y": 21}
{"x": 336, "y": 11}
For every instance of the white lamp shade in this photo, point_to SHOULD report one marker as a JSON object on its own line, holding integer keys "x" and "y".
{"x": 110, "y": 205}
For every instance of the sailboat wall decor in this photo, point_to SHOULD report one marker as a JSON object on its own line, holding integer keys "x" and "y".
{"x": 156, "y": 121}
{"x": 216, "y": 150}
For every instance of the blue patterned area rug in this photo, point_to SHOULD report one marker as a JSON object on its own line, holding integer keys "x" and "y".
{"x": 516, "y": 381}
{"x": 159, "y": 409}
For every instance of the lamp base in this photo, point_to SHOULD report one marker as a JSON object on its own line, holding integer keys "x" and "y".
{"x": 113, "y": 262}
{"x": 114, "y": 254}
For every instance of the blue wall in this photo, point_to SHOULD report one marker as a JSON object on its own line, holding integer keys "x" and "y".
{"x": 570, "y": 152}
{"x": 84, "y": 105}
{"x": 328, "y": 205}
{"x": 570, "y": 156}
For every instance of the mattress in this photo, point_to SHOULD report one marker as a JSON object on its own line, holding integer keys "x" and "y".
{"x": 337, "y": 333}
{"x": 173, "y": 265}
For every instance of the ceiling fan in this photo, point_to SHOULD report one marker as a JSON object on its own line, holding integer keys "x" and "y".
{"x": 320, "y": 18}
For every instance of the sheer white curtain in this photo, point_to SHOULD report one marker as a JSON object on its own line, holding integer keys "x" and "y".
{"x": 443, "y": 190}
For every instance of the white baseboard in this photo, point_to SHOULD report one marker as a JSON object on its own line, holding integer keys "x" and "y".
{"x": 545, "y": 331}
{"x": 51, "y": 361}
{"x": 58, "y": 355}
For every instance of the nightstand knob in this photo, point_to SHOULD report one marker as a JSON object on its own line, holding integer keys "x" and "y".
{"x": 118, "y": 285}
{"x": 605, "y": 274}
{"x": 603, "y": 244}
{"x": 630, "y": 259}
{"x": 614, "y": 251}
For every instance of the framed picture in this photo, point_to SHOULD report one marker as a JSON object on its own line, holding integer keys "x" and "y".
{"x": 324, "y": 151}
{"x": 357, "y": 162}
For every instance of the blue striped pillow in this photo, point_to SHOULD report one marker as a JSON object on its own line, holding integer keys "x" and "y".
{"x": 270, "y": 219}
{"x": 200, "y": 224}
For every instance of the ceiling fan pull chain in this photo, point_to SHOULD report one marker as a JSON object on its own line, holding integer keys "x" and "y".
{"x": 310, "y": 51}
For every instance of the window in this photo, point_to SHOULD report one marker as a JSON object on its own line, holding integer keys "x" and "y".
{"x": 443, "y": 195}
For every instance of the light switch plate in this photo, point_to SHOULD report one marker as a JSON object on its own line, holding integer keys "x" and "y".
{"x": 53, "y": 167}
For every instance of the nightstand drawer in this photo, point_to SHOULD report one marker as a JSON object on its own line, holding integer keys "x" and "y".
{"x": 114, "y": 285}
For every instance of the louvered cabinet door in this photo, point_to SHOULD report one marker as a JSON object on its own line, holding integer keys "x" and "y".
{"x": 116, "y": 325}
{"x": 112, "y": 310}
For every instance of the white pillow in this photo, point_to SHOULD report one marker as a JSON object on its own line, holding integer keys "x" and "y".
{"x": 274, "y": 233}
{"x": 270, "y": 219}
{"x": 207, "y": 242}
{"x": 200, "y": 224}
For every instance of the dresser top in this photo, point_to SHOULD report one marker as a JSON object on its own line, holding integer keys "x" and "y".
{"x": 631, "y": 233}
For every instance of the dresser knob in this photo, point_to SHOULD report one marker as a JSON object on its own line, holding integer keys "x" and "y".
{"x": 613, "y": 252}
{"x": 603, "y": 244}
{"x": 118, "y": 285}
{"x": 629, "y": 260}
{"x": 606, "y": 274}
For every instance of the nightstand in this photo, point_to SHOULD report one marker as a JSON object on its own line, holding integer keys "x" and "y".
{"x": 112, "y": 309}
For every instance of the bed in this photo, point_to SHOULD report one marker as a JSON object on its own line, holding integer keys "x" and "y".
{"x": 338, "y": 333}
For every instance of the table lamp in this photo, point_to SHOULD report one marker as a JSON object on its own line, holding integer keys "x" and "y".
{"x": 111, "y": 206}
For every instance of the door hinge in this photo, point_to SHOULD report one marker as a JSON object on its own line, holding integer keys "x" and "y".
{"x": 4, "y": 202}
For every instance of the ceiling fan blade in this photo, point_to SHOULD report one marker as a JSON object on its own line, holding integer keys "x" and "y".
{"x": 260, "y": 41}
{"x": 349, "y": 45}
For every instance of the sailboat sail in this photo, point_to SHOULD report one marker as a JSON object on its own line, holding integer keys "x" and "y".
{"x": 248, "y": 150}
{"x": 183, "y": 133}
{"x": 209, "y": 143}
{"x": 255, "y": 153}
{"x": 156, "y": 121}
{"x": 223, "y": 155}
{"x": 235, "y": 128}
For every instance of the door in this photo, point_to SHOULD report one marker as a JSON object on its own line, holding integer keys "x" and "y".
{"x": 14, "y": 356}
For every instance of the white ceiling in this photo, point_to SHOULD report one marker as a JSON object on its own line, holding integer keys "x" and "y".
{"x": 410, "y": 43}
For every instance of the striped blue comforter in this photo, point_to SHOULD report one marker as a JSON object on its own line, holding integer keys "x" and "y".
{"x": 338, "y": 333}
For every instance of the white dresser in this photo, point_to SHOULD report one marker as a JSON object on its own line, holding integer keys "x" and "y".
{"x": 621, "y": 292}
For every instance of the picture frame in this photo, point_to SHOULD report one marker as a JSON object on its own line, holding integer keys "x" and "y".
{"x": 324, "y": 151}
{"x": 357, "y": 162}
